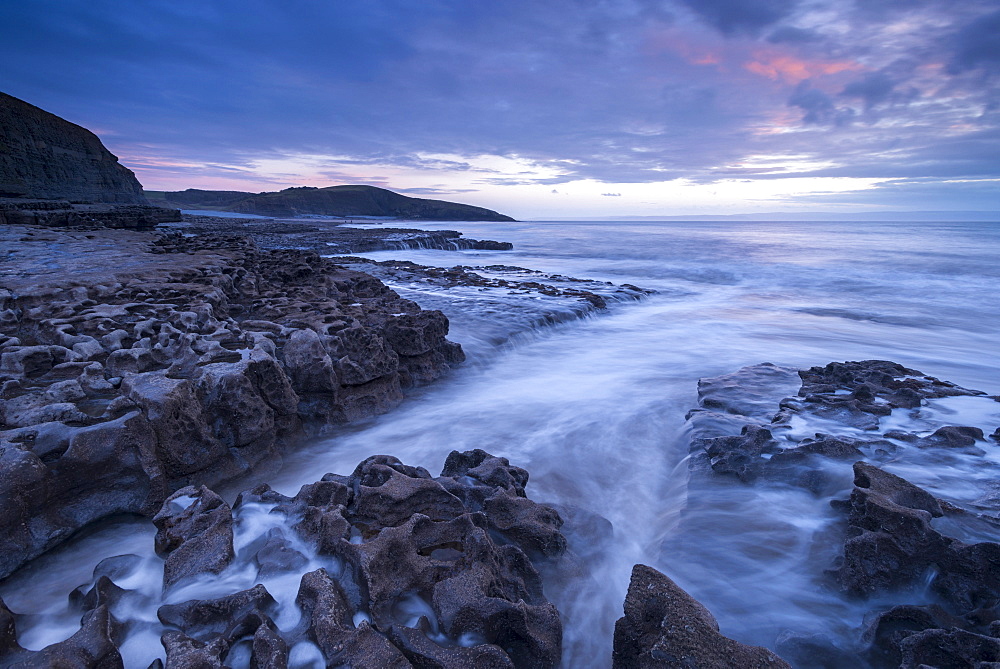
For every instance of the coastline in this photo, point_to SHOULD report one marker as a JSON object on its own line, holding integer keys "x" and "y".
{"x": 388, "y": 508}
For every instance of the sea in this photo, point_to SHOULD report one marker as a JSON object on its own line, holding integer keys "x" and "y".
{"x": 595, "y": 409}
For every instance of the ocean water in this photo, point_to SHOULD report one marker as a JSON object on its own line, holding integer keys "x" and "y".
{"x": 595, "y": 408}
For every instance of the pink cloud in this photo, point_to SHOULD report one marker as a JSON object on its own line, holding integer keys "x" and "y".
{"x": 779, "y": 65}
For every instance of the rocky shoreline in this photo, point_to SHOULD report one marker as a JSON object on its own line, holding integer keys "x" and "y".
{"x": 332, "y": 237}
{"x": 934, "y": 586}
{"x": 133, "y": 365}
{"x": 390, "y": 566}
{"x": 493, "y": 304}
{"x": 140, "y": 371}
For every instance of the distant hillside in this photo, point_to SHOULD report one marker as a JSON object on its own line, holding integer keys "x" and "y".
{"x": 332, "y": 201}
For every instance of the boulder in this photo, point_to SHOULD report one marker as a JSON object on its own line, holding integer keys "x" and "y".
{"x": 664, "y": 626}
{"x": 194, "y": 534}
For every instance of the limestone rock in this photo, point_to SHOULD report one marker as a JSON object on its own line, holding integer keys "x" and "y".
{"x": 141, "y": 364}
{"x": 194, "y": 534}
{"x": 665, "y": 627}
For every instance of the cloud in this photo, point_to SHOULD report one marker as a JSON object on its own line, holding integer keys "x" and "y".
{"x": 741, "y": 16}
{"x": 793, "y": 35}
{"x": 977, "y": 44}
{"x": 435, "y": 191}
{"x": 874, "y": 88}
{"x": 819, "y": 107}
{"x": 519, "y": 94}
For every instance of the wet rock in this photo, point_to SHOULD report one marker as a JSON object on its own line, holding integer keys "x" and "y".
{"x": 533, "y": 527}
{"x": 96, "y": 470}
{"x": 665, "y": 627}
{"x": 8, "y": 632}
{"x": 422, "y": 652}
{"x": 416, "y": 334}
{"x": 487, "y": 469}
{"x": 231, "y": 617}
{"x": 194, "y": 534}
{"x": 894, "y": 543}
{"x": 103, "y": 593}
{"x": 948, "y": 649}
{"x": 327, "y": 616}
{"x": 856, "y": 394}
{"x": 888, "y": 629}
{"x": 815, "y": 651}
{"x": 954, "y": 437}
{"x": 277, "y": 555}
{"x": 430, "y": 571}
{"x": 142, "y": 364}
{"x": 752, "y": 392}
{"x": 183, "y": 652}
{"x": 891, "y": 544}
{"x": 269, "y": 650}
{"x": 506, "y": 299}
{"x": 93, "y": 646}
{"x": 741, "y": 456}
{"x": 871, "y": 380}
{"x": 388, "y": 493}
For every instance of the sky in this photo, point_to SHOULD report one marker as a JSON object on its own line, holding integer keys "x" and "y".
{"x": 551, "y": 108}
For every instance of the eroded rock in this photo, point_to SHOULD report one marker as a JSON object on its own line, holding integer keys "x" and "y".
{"x": 664, "y": 626}
{"x": 184, "y": 360}
{"x": 194, "y": 534}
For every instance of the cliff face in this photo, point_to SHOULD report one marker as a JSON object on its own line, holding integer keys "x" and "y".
{"x": 44, "y": 156}
{"x": 353, "y": 200}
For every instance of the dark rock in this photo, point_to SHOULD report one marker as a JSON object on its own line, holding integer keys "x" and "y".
{"x": 422, "y": 652}
{"x": 891, "y": 542}
{"x": 871, "y": 380}
{"x": 430, "y": 572}
{"x": 439, "y": 543}
{"x": 93, "y": 647}
{"x": 54, "y": 214}
{"x": 533, "y": 527}
{"x": 741, "y": 456}
{"x": 8, "y": 632}
{"x": 277, "y": 555}
{"x": 231, "y": 617}
{"x": 328, "y": 618}
{"x": 815, "y": 651}
{"x": 389, "y": 493}
{"x": 490, "y": 245}
{"x": 891, "y": 545}
{"x": 486, "y": 468}
{"x": 183, "y": 652}
{"x": 752, "y": 392}
{"x": 145, "y": 364}
{"x": 194, "y": 534}
{"x": 103, "y": 593}
{"x": 102, "y": 470}
{"x": 48, "y": 157}
{"x": 888, "y": 629}
{"x": 269, "y": 650}
{"x": 665, "y": 627}
{"x": 948, "y": 649}
{"x": 952, "y": 436}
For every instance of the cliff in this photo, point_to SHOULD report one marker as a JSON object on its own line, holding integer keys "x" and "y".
{"x": 354, "y": 200}
{"x": 46, "y": 157}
